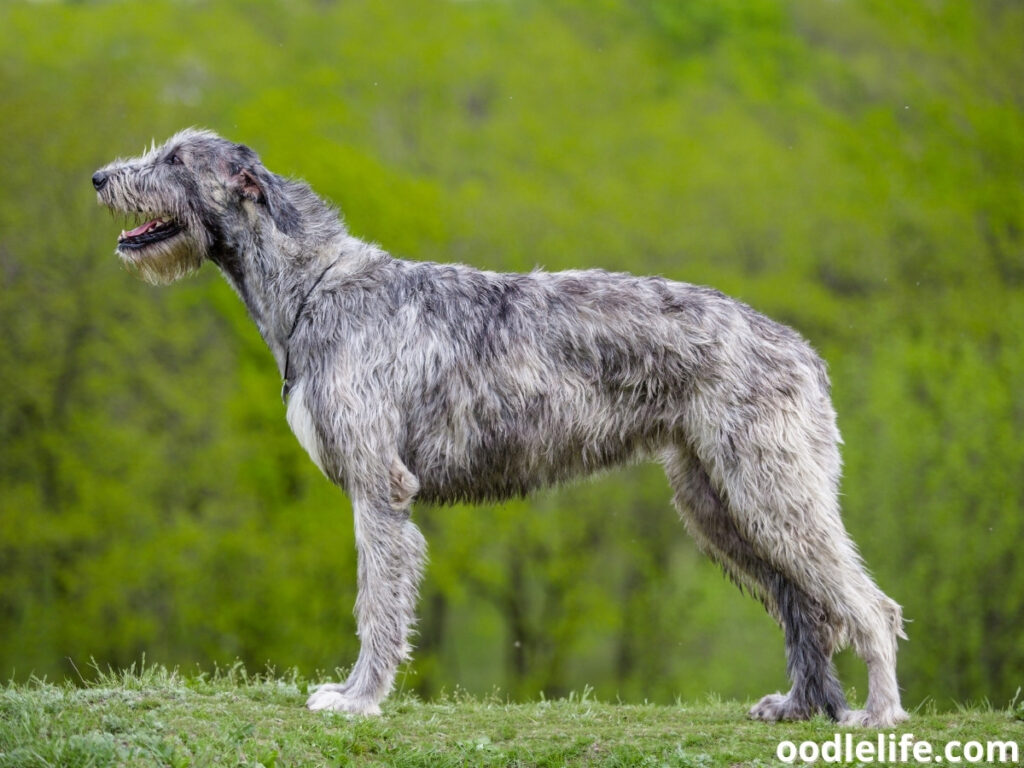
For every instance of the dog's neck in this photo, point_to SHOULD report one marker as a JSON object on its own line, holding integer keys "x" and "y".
{"x": 277, "y": 292}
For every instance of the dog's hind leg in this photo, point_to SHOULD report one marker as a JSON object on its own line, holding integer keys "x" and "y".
{"x": 391, "y": 554}
{"x": 810, "y": 638}
{"x": 777, "y": 479}
{"x": 793, "y": 519}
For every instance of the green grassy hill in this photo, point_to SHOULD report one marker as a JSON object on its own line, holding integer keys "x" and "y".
{"x": 157, "y": 718}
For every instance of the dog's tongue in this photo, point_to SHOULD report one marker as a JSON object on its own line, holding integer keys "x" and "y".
{"x": 143, "y": 229}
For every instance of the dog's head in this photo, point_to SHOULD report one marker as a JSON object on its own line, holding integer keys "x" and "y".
{"x": 197, "y": 196}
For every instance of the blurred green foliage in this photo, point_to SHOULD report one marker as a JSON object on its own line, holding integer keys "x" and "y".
{"x": 855, "y": 169}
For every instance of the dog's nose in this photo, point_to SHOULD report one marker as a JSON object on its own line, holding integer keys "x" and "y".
{"x": 99, "y": 180}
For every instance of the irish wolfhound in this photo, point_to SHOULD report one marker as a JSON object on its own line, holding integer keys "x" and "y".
{"x": 442, "y": 382}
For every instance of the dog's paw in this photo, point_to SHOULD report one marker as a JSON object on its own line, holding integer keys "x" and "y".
{"x": 336, "y": 687}
{"x": 775, "y": 707}
{"x": 335, "y": 701}
{"x": 866, "y": 718}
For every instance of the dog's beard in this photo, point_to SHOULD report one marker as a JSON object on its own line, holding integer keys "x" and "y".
{"x": 164, "y": 262}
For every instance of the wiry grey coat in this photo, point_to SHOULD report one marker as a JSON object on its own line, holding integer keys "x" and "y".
{"x": 442, "y": 382}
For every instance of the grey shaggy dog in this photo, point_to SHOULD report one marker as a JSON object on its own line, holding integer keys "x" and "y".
{"x": 442, "y": 382}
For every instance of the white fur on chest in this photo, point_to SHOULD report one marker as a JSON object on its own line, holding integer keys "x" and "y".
{"x": 301, "y": 421}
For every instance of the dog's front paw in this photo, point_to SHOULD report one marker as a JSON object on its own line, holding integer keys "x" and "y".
{"x": 323, "y": 687}
{"x": 334, "y": 701}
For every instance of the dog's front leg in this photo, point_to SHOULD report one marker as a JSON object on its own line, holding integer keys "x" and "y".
{"x": 391, "y": 553}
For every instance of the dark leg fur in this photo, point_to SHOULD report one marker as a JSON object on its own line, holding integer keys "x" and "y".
{"x": 808, "y": 656}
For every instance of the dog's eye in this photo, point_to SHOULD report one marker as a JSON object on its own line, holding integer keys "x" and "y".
{"x": 173, "y": 159}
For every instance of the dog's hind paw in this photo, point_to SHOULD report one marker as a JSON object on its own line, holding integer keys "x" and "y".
{"x": 777, "y": 706}
{"x": 333, "y": 701}
{"x": 866, "y": 718}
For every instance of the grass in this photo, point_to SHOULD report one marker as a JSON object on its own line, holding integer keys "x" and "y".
{"x": 156, "y": 717}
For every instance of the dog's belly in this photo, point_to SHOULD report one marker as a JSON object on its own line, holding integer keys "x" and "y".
{"x": 496, "y": 473}
{"x": 522, "y": 451}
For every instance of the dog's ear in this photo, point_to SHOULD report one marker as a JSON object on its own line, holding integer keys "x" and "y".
{"x": 256, "y": 183}
{"x": 248, "y": 185}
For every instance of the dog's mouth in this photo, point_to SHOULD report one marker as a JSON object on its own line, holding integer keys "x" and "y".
{"x": 153, "y": 231}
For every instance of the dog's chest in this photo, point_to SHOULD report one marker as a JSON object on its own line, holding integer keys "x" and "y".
{"x": 301, "y": 422}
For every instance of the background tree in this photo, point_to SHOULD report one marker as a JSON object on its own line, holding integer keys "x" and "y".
{"x": 853, "y": 169}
